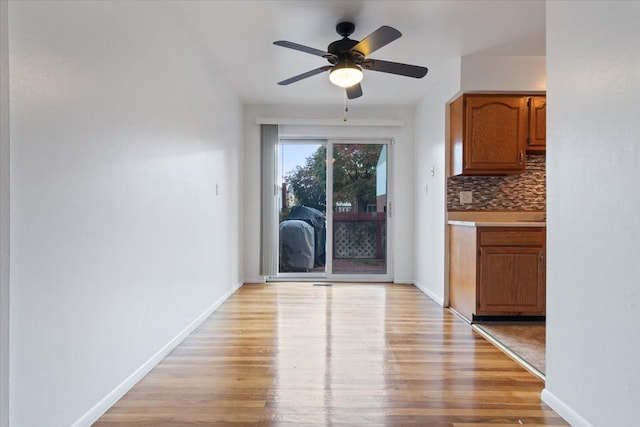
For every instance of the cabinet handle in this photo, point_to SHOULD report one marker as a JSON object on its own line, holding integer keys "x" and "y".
{"x": 541, "y": 260}
{"x": 521, "y": 157}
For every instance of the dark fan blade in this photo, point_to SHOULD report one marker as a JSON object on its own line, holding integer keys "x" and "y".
{"x": 302, "y": 48}
{"x": 305, "y": 75}
{"x": 354, "y": 91}
{"x": 395, "y": 68}
{"x": 379, "y": 38}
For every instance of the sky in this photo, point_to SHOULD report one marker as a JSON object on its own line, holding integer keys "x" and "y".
{"x": 292, "y": 155}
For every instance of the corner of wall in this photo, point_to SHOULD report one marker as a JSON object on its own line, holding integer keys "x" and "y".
{"x": 436, "y": 298}
{"x": 563, "y": 410}
{"x": 109, "y": 400}
{"x": 503, "y": 73}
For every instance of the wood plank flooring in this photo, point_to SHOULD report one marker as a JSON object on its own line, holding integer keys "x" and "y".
{"x": 525, "y": 339}
{"x": 294, "y": 354}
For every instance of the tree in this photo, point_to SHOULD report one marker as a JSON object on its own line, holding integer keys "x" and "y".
{"x": 354, "y": 176}
{"x": 309, "y": 182}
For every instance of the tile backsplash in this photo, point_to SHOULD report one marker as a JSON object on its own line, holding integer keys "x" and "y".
{"x": 525, "y": 192}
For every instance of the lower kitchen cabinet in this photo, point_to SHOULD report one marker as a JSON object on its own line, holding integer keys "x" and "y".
{"x": 497, "y": 271}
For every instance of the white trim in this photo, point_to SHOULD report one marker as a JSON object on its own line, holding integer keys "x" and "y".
{"x": 391, "y": 218}
{"x": 299, "y": 279}
{"x": 330, "y": 122}
{"x": 296, "y": 277}
{"x": 430, "y": 294}
{"x": 328, "y": 253}
{"x": 571, "y": 416}
{"x": 110, "y": 399}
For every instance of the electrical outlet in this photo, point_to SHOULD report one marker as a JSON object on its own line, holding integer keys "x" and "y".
{"x": 466, "y": 197}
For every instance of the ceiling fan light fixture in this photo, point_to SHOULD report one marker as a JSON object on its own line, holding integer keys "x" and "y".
{"x": 346, "y": 56}
{"x": 345, "y": 75}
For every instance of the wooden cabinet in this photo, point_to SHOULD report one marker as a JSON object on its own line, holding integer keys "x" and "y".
{"x": 511, "y": 272}
{"x": 489, "y": 133}
{"x": 497, "y": 271}
{"x": 537, "y": 110}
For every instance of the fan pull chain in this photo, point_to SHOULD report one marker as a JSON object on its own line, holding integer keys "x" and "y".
{"x": 346, "y": 108}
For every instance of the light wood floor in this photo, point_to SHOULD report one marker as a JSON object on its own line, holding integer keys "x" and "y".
{"x": 525, "y": 339}
{"x": 351, "y": 354}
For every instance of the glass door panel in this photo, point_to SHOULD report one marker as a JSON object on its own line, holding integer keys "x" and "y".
{"x": 303, "y": 199}
{"x": 359, "y": 209}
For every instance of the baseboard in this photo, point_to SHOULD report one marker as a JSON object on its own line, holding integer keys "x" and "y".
{"x": 110, "y": 399}
{"x": 563, "y": 410}
{"x": 437, "y": 299}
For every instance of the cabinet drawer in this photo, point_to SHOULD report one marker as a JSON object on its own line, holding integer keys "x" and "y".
{"x": 511, "y": 236}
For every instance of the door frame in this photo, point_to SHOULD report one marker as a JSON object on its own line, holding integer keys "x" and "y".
{"x": 327, "y": 274}
{"x": 297, "y": 276}
{"x": 356, "y": 277}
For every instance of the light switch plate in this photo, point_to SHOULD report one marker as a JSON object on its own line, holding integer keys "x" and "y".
{"x": 466, "y": 197}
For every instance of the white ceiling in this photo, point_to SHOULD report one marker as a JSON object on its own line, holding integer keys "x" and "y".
{"x": 239, "y": 35}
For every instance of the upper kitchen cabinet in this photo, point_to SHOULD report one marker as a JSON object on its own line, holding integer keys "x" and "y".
{"x": 489, "y": 133}
{"x": 537, "y": 140}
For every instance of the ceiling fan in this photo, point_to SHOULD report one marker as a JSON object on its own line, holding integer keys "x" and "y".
{"x": 348, "y": 57}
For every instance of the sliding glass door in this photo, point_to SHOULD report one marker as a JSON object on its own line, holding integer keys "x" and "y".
{"x": 333, "y": 210}
{"x": 359, "y": 200}
{"x": 302, "y": 208}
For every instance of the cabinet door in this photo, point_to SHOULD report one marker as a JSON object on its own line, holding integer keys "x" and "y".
{"x": 512, "y": 281}
{"x": 537, "y": 140}
{"x": 495, "y": 135}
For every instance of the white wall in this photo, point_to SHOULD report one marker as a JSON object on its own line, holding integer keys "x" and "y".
{"x": 120, "y": 130}
{"x": 429, "y": 193}
{"x": 503, "y": 73}
{"x": 593, "y": 292}
{"x": 402, "y": 168}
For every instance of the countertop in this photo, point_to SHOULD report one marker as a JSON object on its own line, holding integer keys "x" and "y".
{"x": 499, "y": 223}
